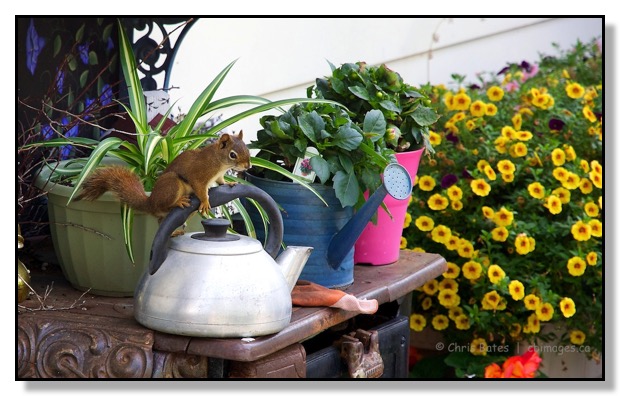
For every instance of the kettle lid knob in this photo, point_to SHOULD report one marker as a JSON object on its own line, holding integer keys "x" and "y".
{"x": 215, "y": 230}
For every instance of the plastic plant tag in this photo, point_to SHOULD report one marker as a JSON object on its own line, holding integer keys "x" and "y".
{"x": 303, "y": 167}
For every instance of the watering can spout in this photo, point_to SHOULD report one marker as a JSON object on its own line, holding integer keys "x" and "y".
{"x": 397, "y": 183}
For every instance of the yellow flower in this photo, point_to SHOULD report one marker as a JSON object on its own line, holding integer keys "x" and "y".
{"x": 490, "y": 300}
{"x": 462, "y": 322}
{"x": 544, "y": 312}
{"x": 581, "y": 231}
{"x": 426, "y": 183}
{"x": 449, "y": 284}
{"x": 597, "y": 179}
{"x": 478, "y": 347}
{"x": 454, "y": 312}
{"x": 567, "y": 306}
{"x": 477, "y": 108}
{"x": 554, "y": 204}
{"x": 448, "y": 298}
{"x": 437, "y": 202}
{"x": 592, "y": 258}
{"x": 536, "y": 190}
{"x": 431, "y": 287}
{"x": 576, "y": 266}
{"x": 472, "y": 270}
{"x": 574, "y": 90}
{"x": 596, "y": 228}
{"x": 515, "y": 330}
{"x": 508, "y": 177}
{"x": 465, "y": 248}
{"x": 558, "y": 156}
{"x": 461, "y": 101}
{"x": 517, "y": 120}
{"x": 482, "y": 164}
{"x": 584, "y": 166}
{"x": 500, "y": 144}
{"x": 441, "y": 234}
{"x": 516, "y": 289}
{"x": 589, "y": 114}
{"x": 495, "y": 273}
{"x": 491, "y": 109}
{"x": 509, "y": 133}
{"x": 585, "y": 186}
{"x": 427, "y": 303}
{"x": 499, "y": 234}
{"x": 596, "y": 167}
{"x": 417, "y": 322}
{"x": 506, "y": 167}
{"x": 434, "y": 138}
{"x": 563, "y": 194}
{"x": 591, "y": 209}
{"x": 460, "y": 116}
{"x": 577, "y": 337}
{"x": 440, "y": 322}
{"x": 488, "y": 212}
{"x": 543, "y": 101}
{"x": 480, "y": 187}
{"x": 495, "y": 93}
{"x": 531, "y": 302}
{"x": 456, "y": 205}
{"x": 407, "y": 222}
{"x": 522, "y": 244}
{"x": 424, "y": 223}
{"x": 452, "y": 272}
{"x": 517, "y": 150}
{"x": 455, "y": 193}
{"x": 503, "y": 217}
{"x": 448, "y": 100}
{"x": 403, "y": 242}
{"x": 560, "y": 174}
{"x": 490, "y": 172}
{"x": 453, "y": 243}
{"x": 570, "y": 153}
{"x": 524, "y": 136}
{"x": 533, "y": 324}
{"x": 571, "y": 181}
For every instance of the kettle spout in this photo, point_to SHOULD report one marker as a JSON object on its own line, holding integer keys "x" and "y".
{"x": 292, "y": 261}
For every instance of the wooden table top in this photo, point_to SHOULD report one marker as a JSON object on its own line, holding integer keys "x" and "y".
{"x": 384, "y": 283}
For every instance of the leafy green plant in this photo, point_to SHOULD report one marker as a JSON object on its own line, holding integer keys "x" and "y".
{"x": 346, "y": 159}
{"x": 155, "y": 149}
{"x": 363, "y": 88}
{"x": 513, "y": 201}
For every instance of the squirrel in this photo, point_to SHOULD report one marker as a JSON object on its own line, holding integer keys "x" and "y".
{"x": 193, "y": 171}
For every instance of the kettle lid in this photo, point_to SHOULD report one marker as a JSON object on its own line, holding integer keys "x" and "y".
{"x": 215, "y": 240}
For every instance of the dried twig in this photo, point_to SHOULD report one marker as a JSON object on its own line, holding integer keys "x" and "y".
{"x": 42, "y": 304}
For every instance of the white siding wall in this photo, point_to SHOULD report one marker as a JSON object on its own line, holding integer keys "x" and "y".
{"x": 280, "y": 58}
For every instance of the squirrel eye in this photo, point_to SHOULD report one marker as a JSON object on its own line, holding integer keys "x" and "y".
{"x": 232, "y": 155}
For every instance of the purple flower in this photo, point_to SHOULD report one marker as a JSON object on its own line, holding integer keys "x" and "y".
{"x": 110, "y": 46}
{"x": 83, "y": 50}
{"x": 526, "y": 66}
{"x": 66, "y": 149}
{"x": 47, "y": 132}
{"x": 60, "y": 81}
{"x": 34, "y": 45}
{"x": 466, "y": 175}
{"x": 503, "y": 70}
{"x": 448, "y": 180}
{"x": 106, "y": 95}
{"x": 87, "y": 108}
{"x": 452, "y": 137}
{"x": 555, "y": 124}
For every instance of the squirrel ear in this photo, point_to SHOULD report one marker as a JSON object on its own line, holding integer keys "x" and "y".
{"x": 223, "y": 140}
{"x": 240, "y": 134}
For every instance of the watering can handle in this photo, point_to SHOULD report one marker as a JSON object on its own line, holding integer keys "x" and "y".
{"x": 218, "y": 196}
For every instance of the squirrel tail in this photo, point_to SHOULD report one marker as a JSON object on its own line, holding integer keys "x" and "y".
{"x": 124, "y": 183}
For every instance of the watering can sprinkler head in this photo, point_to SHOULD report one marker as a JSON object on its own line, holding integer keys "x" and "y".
{"x": 397, "y": 183}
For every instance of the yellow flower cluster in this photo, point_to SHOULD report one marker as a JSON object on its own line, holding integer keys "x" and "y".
{"x": 513, "y": 201}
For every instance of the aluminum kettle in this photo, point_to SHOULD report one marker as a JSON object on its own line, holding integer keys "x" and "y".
{"x": 217, "y": 284}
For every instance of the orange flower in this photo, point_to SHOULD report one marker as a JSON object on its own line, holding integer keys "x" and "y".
{"x": 523, "y": 366}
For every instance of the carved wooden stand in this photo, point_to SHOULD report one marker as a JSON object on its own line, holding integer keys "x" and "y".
{"x": 80, "y": 335}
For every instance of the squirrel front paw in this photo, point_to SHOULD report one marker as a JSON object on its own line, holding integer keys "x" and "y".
{"x": 204, "y": 208}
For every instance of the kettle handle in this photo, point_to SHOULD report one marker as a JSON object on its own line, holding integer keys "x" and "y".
{"x": 218, "y": 196}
